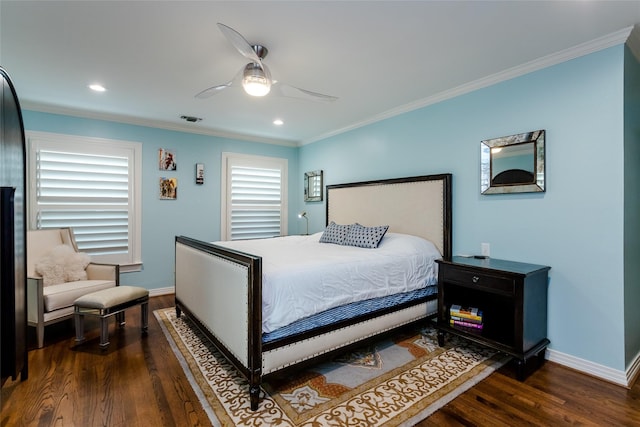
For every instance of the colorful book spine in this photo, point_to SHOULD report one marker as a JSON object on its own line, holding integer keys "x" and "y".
{"x": 470, "y": 325}
{"x": 469, "y": 313}
{"x": 468, "y": 310}
{"x": 465, "y": 319}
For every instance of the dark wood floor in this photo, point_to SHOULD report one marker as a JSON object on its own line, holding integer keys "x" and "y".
{"x": 138, "y": 382}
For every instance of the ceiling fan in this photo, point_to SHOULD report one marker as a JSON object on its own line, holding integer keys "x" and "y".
{"x": 255, "y": 77}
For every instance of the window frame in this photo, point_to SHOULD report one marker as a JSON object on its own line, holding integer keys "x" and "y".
{"x": 246, "y": 160}
{"x": 93, "y": 146}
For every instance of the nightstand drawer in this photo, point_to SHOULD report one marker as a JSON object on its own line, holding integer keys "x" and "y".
{"x": 475, "y": 279}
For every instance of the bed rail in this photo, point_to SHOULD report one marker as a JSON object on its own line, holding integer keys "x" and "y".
{"x": 221, "y": 291}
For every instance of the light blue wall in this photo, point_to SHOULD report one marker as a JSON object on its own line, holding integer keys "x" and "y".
{"x": 631, "y": 207}
{"x": 196, "y": 211}
{"x": 576, "y": 227}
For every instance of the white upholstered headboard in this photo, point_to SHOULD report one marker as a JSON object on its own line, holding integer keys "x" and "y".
{"x": 420, "y": 206}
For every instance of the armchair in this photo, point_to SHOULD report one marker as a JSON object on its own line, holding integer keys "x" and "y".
{"x": 53, "y": 302}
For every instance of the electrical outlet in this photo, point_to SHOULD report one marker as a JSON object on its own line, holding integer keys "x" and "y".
{"x": 484, "y": 248}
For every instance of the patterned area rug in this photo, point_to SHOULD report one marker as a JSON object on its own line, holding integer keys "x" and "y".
{"x": 392, "y": 383}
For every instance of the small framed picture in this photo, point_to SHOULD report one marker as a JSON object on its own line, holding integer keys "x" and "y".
{"x": 168, "y": 188}
{"x": 199, "y": 173}
{"x": 167, "y": 160}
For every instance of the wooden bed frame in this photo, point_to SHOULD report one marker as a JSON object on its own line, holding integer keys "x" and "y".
{"x": 220, "y": 289}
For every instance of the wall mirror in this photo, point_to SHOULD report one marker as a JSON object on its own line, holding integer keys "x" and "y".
{"x": 513, "y": 164}
{"x": 313, "y": 186}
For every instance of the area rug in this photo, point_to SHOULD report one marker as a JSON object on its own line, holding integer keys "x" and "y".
{"x": 395, "y": 382}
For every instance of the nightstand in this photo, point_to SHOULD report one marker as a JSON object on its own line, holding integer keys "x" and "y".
{"x": 511, "y": 298}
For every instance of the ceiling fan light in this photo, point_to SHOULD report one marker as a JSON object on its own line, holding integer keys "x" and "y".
{"x": 256, "y": 87}
{"x": 254, "y": 82}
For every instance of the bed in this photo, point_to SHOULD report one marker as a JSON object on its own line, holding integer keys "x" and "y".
{"x": 220, "y": 286}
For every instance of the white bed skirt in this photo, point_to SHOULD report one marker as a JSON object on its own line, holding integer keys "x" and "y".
{"x": 282, "y": 357}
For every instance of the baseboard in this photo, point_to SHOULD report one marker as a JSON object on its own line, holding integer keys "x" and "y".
{"x": 633, "y": 371}
{"x": 162, "y": 291}
{"x": 622, "y": 378}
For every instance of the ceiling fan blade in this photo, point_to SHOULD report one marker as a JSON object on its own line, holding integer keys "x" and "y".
{"x": 267, "y": 73}
{"x": 213, "y": 90}
{"x": 289, "y": 91}
{"x": 239, "y": 42}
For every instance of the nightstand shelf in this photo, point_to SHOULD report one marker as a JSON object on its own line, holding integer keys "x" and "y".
{"x": 512, "y": 297}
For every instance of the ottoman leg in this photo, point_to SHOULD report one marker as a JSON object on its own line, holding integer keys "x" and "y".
{"x": 104, "y": 332}
{"x": 120, "y": 319}
{"x": 79, "y": 323}
{"x": 144, "y": 317}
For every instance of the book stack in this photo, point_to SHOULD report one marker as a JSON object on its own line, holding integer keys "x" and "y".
{"x": 466, "y": 317}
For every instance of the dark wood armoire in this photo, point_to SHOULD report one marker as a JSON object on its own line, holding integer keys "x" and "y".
{"x": 13, "y": 288}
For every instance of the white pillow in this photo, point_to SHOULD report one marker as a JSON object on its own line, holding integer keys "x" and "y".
{"x": 62, "y": 264}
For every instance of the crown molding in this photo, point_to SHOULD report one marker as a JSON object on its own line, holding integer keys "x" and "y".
{"x": 634, "y": 42}
{"x": 613, "y": 39}
{"x": 158, "y": 124}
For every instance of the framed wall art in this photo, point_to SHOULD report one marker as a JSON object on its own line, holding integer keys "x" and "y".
{"x": 167, "y": 160}
{"x": 168, "y": 188}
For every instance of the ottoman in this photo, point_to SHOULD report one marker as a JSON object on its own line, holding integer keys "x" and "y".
{"x": 109, "y": 302}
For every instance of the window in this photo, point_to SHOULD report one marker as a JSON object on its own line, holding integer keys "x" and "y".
{"x": 254, "y": 197}
{"x": 91, "y": 185}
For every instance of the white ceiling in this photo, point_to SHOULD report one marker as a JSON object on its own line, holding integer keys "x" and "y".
{"x": 379, "y": 57}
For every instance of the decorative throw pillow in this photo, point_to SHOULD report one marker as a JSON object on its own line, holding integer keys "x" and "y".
{"x": 335, "y": 233}
{"x": 75, "y": 265}
{"x": 365, "y": 237}
{"x": 51, "y": 266}
{"x": 62, "y": 264}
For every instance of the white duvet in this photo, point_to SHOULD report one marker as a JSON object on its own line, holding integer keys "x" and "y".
{"x": 302, "y": 277}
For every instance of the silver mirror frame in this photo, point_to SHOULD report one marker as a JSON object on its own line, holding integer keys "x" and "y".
{"x": 538, "y": 140}
{"x": 313, "y": 186}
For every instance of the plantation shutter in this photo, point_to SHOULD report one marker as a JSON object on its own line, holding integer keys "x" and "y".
{"x": 92, "y": 186}
{"x": 255, "y": 203}
{"x": 87, "y": 192}
{"x": 254, "y": 198}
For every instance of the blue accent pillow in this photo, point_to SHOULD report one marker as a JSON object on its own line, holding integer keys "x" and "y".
{"x": 335, "y": 233}
{"x": 365, "y": 237}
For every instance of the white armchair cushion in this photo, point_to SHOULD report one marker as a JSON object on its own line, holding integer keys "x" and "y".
{"x": 63, "y": 295}
{"x": 62, "y": 264}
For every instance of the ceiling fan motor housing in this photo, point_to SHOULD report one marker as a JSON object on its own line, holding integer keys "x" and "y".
{"x": 260, "y": 50}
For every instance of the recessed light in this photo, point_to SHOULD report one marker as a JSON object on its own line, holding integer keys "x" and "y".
{"x": 97, "y": 87}
{"x": 278, "y": 122}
